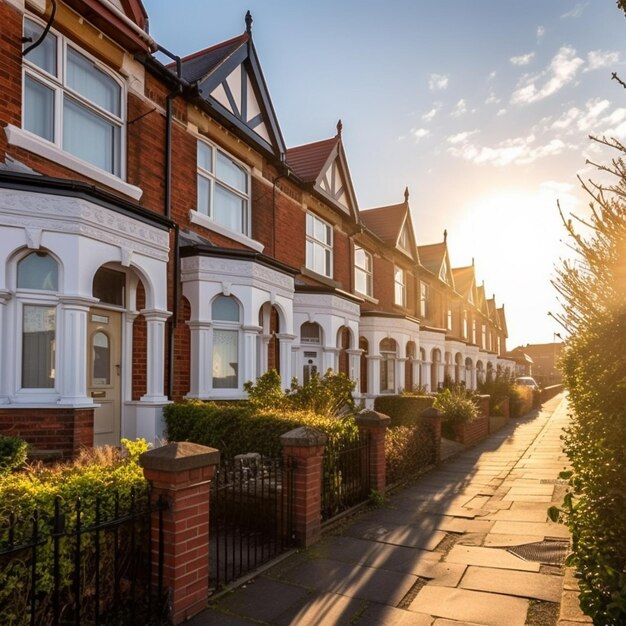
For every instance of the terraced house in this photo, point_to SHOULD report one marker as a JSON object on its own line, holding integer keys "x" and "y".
{"x": 159, "y": 240}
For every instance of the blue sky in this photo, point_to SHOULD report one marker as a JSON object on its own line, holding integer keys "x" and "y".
{"x": 482, "y": 108}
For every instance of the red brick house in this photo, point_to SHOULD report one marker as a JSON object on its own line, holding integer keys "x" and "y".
{"x": 159, "y": 240}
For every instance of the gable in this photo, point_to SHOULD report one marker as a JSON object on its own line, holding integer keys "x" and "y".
{"x": 333, "y": 182}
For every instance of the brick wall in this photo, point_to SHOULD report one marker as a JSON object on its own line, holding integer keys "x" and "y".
{"x": 64, "y": 429}
{"x": 473, "y": 432}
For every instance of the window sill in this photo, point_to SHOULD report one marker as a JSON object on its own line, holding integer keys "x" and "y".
{"x": 305, "y": 271}
{"x": 366, "y": 297}
{"x": 23, "y": 139}
{"x": 202, "y": 220}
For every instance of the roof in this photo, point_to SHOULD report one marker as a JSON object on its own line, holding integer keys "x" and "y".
{"x": 200, "y": 64}
{"x": 463, "y": 278}
{"x": 308, "y": 160}
{"x": 385, "y": 221}
{"x": 431, "y": 256}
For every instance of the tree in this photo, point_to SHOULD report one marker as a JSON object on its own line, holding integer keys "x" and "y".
{"x": 593, "y": 293}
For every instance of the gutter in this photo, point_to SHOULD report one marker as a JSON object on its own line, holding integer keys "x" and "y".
{"x": 136, "y": 29}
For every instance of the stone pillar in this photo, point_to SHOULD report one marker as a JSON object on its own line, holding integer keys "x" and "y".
{"x": 73, "y": 351}
{"x": 155, "y": 322}
{"x": 263, "y": 342}
{"x": 181, "y": 473}
{"x": 373, "y": 375}
{"x": 434, "y": 417}
{"x": 330, "y": 360}
{"x": 400, "y": 374}
{"x": 483, "y": 405}
{"x": 374, "y": 425}
{"x": 304, "y": 448}
{"x": 201, "y": 359}
{"x": 5, "y": 296}
{"x": 354, "y": 368}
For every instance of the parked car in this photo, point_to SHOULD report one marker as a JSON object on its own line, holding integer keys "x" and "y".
{"x": 527, "y": 381}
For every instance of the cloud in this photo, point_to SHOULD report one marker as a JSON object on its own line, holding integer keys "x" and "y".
{"x": 523, "y": 59}
{"x": 492, "y": 99}
{"x": 577, "y": 11}
{"x": 492, "y": 75}
{"x": 541, "y": 31}
{"x": 420, "y": 133}
{"x": 591, "y": 118}
{"x": 461, "y": 137}
{"x": 460, "y": 108}
{"x": 561, "y": 71}
{"x": 601, "y": 58}
{"x": 438, "y": 82}
{"x": 501, "y": 112}
{"x": 515, "y": 151}
{"x": 427, "y": 117}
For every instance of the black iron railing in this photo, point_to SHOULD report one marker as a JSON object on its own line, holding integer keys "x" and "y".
{"x": 346, "y": 475}
{"x": 96, "y": 565}
{"x": 251, "y": 516}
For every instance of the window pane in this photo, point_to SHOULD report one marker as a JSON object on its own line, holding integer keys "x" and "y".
{"x": 38, "y": 270}
{"x": 310, "y": 225}
{"x": 225, "y": 359}
{"x": 231, "y": 173}
{"x": 225, "y": 309}
{"x": 310, "y": 332}
{"x": 205, "y": 156}
{"x": 92, "y": 83}
{"x": 38, "y": 347}
{"x": 109, "y": 286}
{"x": 228, "y": 209}
{"x": 101, "y": 372}
{"x": 204, "y": 195}
{"x": 38, "y": 109}
{"x": 90, "y": 137}
{"x": 45, "y": 54}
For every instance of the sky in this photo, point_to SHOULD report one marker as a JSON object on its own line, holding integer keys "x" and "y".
{"x": 483, "y": 109}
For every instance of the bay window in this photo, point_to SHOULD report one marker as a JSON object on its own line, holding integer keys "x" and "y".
{"x": 226, "y": 316}
{"x": 71, "y": 101}
{"x": 319, "y": 245}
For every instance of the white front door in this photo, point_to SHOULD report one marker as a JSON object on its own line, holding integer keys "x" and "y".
{"x": 104, "y": 374}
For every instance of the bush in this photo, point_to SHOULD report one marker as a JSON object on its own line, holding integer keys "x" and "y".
{"x": 403, "y": 410}
{"x": 457, "y": 405}
{"x": 593, "y": 289}
{"x": 238, "y": 429}
{"x": 13, "y": 452}
{"x": 503, "y": 385}
{"x": 408, "y": 450}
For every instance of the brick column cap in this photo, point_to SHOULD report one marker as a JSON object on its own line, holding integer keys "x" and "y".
{"x": 179, "y": 456}
{"x": 484, "y": 395}
{"x": 368, "y": 417}
{"x": 303, "y": 437}
{"x": 431, "y": 411}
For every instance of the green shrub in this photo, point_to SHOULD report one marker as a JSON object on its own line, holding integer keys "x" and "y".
{"x": 503, "y": 385}
{"x": 408, "y": 450}
{"x": 593, "y": 291}
{"x": 95, "y": 475}
{"x": 13, "y": 452}
{"x": 457, "y": 405}
{"x": 404, "y": 410}
{"x": 238, "y": 429}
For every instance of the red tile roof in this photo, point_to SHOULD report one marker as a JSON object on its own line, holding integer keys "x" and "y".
{"x": 431, "y": 256}
{"x": 386, "y": 221}
{"x": 308, "y": 160}
{"x": 463, "y": 277}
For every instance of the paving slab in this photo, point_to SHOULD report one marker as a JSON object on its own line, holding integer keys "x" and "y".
{"x": 471, "y": 606}
{"x": 489, "y": 557}
{"x": 513, "y": 583}
{"x": 400, "y": 535}
{"x": 351, "y": 580}
{"x": 214, "y": 617}
{"x": 450, "y": 622}
{"x": 322, "y": 608}
{"x": 377, "y": 615}
{"x": 546, "y": 529}
{"x": 497, "y": 540}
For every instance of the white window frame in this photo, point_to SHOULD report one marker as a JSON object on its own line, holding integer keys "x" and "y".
{"x": 483, "y": 336}
{"x": 443, "y": 272}
{"x": 399, "y": 291}
{"x": 59, "y": 87}
{"x": 318, "y": 246}
{"x": 213, "y": 179}
{"x": 465, "y": 326}
{"x": 449, "y": 319}
{"x": 424, "y": 298}
{"x": 388, "y": 361}
{"x": 228, "y": 326}
{"x": 366, "y": 273}
{"x": 474, "y": 331}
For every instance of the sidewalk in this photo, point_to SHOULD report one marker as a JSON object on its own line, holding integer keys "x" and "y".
{"x": 468, "y": 543}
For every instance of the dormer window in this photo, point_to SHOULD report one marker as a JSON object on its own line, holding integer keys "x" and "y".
{"x": 72, "y": 101}
{"x": 443, "y": 272}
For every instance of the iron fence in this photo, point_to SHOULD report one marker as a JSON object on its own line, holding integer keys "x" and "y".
{"x": 83, "y": 566}
{"x": 251, "y": 516}
{"x": 346, "y": 475}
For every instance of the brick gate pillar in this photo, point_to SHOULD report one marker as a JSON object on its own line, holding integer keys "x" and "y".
{"x": 374, "y": 425}
{"x": 304, "y": 447}
{"x": 181, "y": 473}
{"x": 434, "y": 417}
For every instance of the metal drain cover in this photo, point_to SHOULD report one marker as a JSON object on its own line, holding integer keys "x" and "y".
{"x": 546, "y": 552}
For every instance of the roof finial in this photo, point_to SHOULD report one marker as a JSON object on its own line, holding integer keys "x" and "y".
{"x": 339, "y": 128}
{"x": 472, "y": 261}
{"x": 445, "y": 236}
{"x": 406, "y": 194}
{"x": 249, "y": 21}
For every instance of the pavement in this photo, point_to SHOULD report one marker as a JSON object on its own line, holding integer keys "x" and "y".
{"x": 468, "y": 543}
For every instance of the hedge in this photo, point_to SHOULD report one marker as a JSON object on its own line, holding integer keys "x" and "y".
{"x": 403, "y": 410}
{"x": 408, "y": 450}
{"x": 241, "y": 428}
{"x": 13, "y": 452}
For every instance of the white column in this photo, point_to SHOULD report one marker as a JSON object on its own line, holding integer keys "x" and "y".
{"x": 127, "y": 358}
{"x": 5, "y": 296}
{"x": 400, "y": 373}
{"x": 247, "y": 369}
{"x": 263, "y": 345}
{"x": 72, "y": 348}
{"x": 426, "y": 366}
{"x": 373, "y": 375}
{"x": 285, "y": 342}
{"x": 415, "y": 373}
{"x": 354, "y": 368}
{"x": 201, "y": 339}
{"x": 441, "y": 374}
{"x": 330, "y": 357}
{"x": 473, "y": 377}
{"x": 155, "y": 347}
